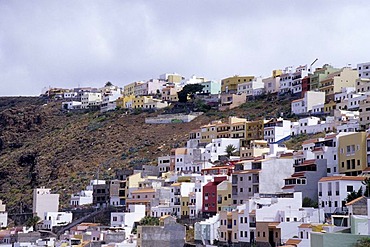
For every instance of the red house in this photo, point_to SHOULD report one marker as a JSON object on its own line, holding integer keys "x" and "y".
{"x": 305, "y": 85}
{"x": 209, "y": 206}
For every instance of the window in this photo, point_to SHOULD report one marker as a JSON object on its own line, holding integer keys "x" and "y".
{"x": 349, "y": 188}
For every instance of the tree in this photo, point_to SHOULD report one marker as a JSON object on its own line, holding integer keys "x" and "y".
{"x": 33, "y": 222}
{"x": 108, "y": 84}
{"x": 308, "y": 202}
{"x": 363, "y": 242}
{"x": 230, "y": 149}
{"x": 354, "y": 195}
{"x": 189, "y": 90}
{"x": 148, "y": 220}
{"x": 367, "y": 183}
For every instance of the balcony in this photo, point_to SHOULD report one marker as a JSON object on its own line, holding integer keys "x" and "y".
{"x": 177, "y": 193}
{"x": 330, "y": 193}
{"x": 320, "y": 193}
{"x": 252, "y": 224}
{"x": 177, "y": 203}
{"x": 229, "y": 226}
{"x": 337, "y": 193}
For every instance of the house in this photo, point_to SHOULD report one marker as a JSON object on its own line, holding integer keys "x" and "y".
{"x": 364, "y": 113}
{"x": 85, "y": 197}
{"x": 217, "y": 148}
{"x": 109, "y": 98}
{"x": 230, "y": 100}
{"x": 307, "y": 103}
{"x": 126, "y": 220}
{"x": 168, "y": 234}
{"x": 363, "y": 70}
{"x": 101, "y": 194}
{"x": 272, "y": 84}
{"x": 52, "y": 219}
{"x": 91, "y": 100}
{"x": 319, "y": 75}
{"x": 260, "y": 176}
{"x": 146, "y": 196}
{"x": 210, "y": 196}
{"x": 253, "y": 149}
{"x": 352, "y": 153}
{"x": 171, "y": 77}
{"x": 312, "y": 125}
{"x": 334, "y": 190}
{"x": 211, "y": 87}
{"x": 251, "y": 88}
{"x": 3, "y": 215}
{"x": 306, "y": 177}
{"x": 44, "y": 201}
{"x": 206, "y": 232}
{"x": 117, "y": 192}
{"x": 235, "y": 226}
{"x": 334, "y": 82}
{"x": 275, "y": 130}
{"x": 71, "y": 105}
{"x": 230, "y": 84}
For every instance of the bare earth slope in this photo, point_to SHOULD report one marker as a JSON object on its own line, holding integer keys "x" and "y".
{"x": 42, "y": 146}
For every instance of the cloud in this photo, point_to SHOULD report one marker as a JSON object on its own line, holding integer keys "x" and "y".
{"x": 71, "y": 43}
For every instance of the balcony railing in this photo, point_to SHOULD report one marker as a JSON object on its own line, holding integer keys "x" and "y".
{"x": 337, "y": 193}
{"x": 252, "y": 224}
{"x": 320, "y": 193}
{"x": 177, "y": 193}
{"x": 329, "y": 193}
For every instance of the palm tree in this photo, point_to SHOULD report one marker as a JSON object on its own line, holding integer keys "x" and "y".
{"x": 367, "y": 183}
{"x": 230, "y": 149}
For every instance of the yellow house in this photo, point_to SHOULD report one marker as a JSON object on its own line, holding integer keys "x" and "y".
{"x": 230, "y": 84}
{"x": 276, "y": 73}
{"x": 352, "y": 153}
{"x": 254, "y": 130}
{"x": 173, "y": 78}
{"x": 139, "y": 101}
{"x": 132, "y": 183}
{"x": 208, "y": 132}
{"x": 330, "y": 106}
{"x": 125, "y": 101}
{"x": 185, "y": 206}
{"x": 129, "y": 89}
{"x": 224, "y": 195}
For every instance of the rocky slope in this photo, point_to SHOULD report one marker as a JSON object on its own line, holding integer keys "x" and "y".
{"x": 40, "y": 145}
{"x": 43, "y": 146}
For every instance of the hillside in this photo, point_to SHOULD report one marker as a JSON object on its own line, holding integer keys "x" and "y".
{"x": 42, "y": 146}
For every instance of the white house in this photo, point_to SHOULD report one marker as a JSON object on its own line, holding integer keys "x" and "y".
{"x": 52, "y": 219}
{"x": 207, "y": 230}
{"x": 85, "y": 197}
{"x": 312, "y": 125}
{"x": 3, "y": 215}
{"x": 218, "y": 147}
{"x": 251, "y": 88}
{"x": 90, "y": 100}
{"x": 109, "y": 98}
{"x": 308, "y": 102}
{"x": 271, "y": 84}
{"x": 71, "y": 105}
{"x": 276, "y": 129}
{"x": 334, "y": 190}
{"x": 126, "y": 220}
{"x": 363, "y": 70}
{"x": 44, "y": 201}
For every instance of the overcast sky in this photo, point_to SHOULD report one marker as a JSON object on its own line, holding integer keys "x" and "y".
{"x": 86, "y": 43}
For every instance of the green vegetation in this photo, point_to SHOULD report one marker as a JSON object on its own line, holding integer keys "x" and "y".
{"x": 295, "y": 142}
{"x": 189, "y": 90}
{"x": 354, "y": 195}
{"x": 363, "y": 242}
{"x": 308, "y": 202}
{"x": 149, "y": 221}
{"x": 367, "y": 183}
{"x": 230, "y": 149}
